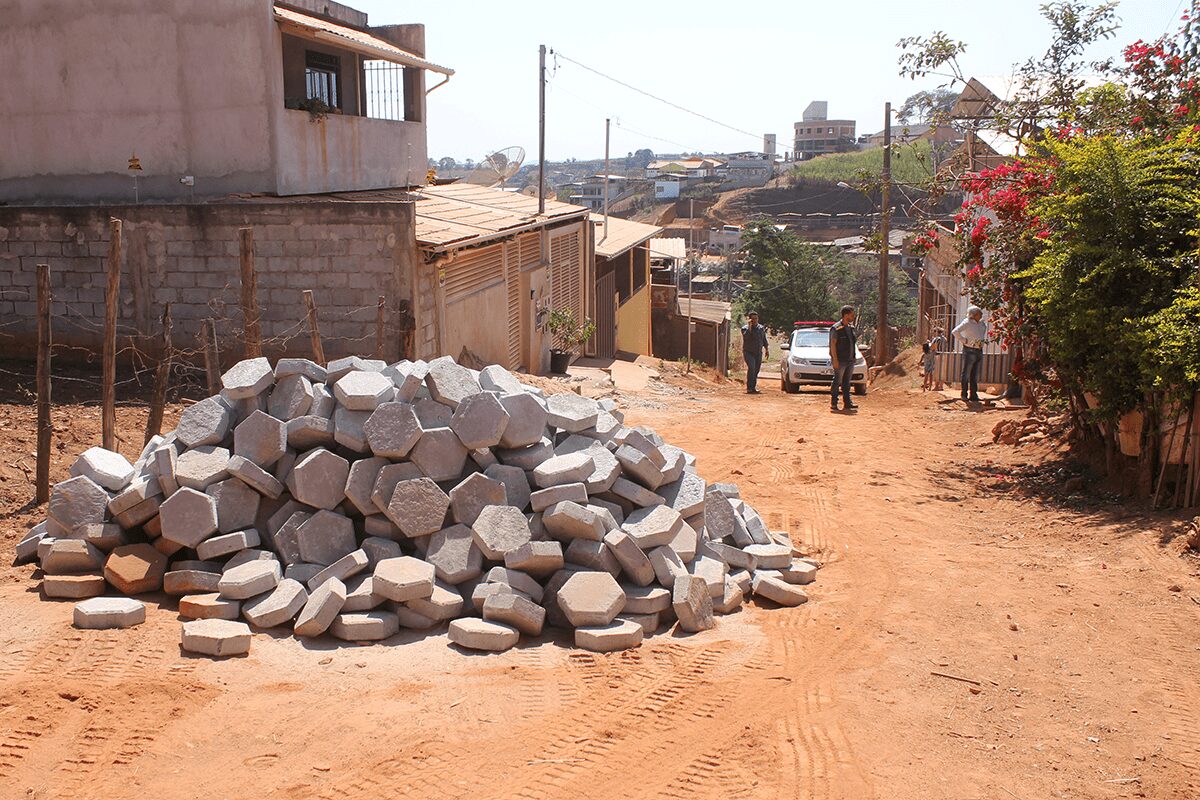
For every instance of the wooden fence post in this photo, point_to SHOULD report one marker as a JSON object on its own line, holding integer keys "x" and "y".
{"x": 44, "y": 428}
{"x": 212, "y": 358}
{"x": 250, "y": 313}
{"x": 380, "y": 324}
{"x": 112, "y": 291}
{"x": 161, "y": 377}
{"x": 314, "y": 330}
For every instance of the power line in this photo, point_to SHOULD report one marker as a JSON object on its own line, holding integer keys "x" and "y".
{"x": 616, "y": 118}
{"x": 631, "y": 87}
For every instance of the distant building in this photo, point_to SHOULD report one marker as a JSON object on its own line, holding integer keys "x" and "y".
{"x": 725, "y": 238}
{"x": 816, "y": 134}
{"x": 693, "y": 167}
{"x": 939, "y": 134}
{"x": 668, "y": 186}
{"x": 590, "y": 193}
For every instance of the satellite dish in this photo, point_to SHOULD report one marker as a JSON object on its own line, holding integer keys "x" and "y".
{"x": 497, "y": 167}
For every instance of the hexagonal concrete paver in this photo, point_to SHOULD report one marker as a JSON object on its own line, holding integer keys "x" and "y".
{"x": 392, "y": 430}
{"x": 591, "y": 599}
{"x": 188, "y": 517}
{"x": 499, "y": 530}
{"x": 364, "y": 391}
{"x": 260, "y": 438}
{"x": 479, "y": 421}
{"x": 418, "y": 507}
{"x": 319, "y": 478}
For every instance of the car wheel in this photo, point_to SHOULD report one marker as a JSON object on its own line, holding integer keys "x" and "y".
{"x": 790, "y": 388}
{"x": 860, "y": 388}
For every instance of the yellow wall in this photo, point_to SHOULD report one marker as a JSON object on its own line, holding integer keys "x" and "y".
{"x": 633, "y": 323}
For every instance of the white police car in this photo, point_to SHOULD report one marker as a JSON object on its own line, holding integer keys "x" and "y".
{"x": 806, "y": 362}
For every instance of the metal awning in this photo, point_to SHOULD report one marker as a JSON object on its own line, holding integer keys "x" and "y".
{"x": 462, "y": 215}
{"x": 351, "y": 39}
{"x": 618, "y": 235}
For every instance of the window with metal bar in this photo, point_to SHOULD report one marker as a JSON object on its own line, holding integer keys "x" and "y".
{"x": 322, "y": 74}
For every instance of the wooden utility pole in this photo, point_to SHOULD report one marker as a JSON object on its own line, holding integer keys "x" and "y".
{"x": 314, "y": 329}
{"x": 882, "y": 334}
{"x": 380, "y": 324}
{"x": 607, "y": 130}
{"x": 162, "y": 376}
{"x": 112, "y": 292}
{"x": 541, "y": 130}
{"x": 44, "y": 428}
{"x": 253, "y": 333}
{"x": 212, "y": 358}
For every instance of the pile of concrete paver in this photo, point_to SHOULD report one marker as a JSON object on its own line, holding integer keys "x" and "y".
{"x": 361, "y": 498}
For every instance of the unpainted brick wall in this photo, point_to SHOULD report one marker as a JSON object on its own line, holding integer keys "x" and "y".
{"x": 347, "y": 253}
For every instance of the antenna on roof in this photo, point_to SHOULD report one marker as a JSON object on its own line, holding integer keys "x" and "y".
{"x": 496, "y": 168}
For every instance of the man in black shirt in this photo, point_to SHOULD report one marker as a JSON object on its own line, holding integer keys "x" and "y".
{"x": 843, "y": 352}
{"x": 754, "y": 348}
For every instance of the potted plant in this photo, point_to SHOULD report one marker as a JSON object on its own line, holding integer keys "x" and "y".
{"x": 568, "y": 335}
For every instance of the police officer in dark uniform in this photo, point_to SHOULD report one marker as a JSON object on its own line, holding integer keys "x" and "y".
{"x": 754, "y": 348}
{"x": 843, "y": 352}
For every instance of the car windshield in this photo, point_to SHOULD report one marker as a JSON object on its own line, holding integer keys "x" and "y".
{"x": 810, "y": 339}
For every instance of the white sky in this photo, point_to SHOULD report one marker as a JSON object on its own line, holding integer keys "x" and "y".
{"x": 753, "y": 69}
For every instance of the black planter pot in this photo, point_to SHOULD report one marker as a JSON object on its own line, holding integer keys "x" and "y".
{"x": 559, "y": 361}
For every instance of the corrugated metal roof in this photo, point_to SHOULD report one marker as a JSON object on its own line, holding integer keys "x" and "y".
{"x": 668, "y": 248}
{"x": 354, "y": 39}
{"x": 621, "y": 235}
{"x": 706, "y": 310}
{"x": 458, "y": 213}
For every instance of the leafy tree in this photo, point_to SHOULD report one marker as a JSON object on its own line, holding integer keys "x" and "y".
{"x": 447, "y": 163}
{"x": 929, "y": 107}
{"x": 793, "y": 279}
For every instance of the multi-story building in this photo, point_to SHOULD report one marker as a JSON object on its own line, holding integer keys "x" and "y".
{"x": 816, "y": 134}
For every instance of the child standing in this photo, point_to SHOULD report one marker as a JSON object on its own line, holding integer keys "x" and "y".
{"x": 929, "y": 359}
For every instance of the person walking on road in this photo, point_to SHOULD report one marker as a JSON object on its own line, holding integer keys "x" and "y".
{"x": 755, "y": 348}
{"x": 973, "y": 333}
{"x": 843, "y": 352}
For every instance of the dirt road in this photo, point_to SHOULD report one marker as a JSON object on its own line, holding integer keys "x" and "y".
{"x": 1078, "y": 632}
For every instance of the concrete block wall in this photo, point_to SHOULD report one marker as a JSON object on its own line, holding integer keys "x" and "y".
{"x": 347, "y": 253}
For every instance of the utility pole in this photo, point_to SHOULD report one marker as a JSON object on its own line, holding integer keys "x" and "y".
{"x": 606, "y": 140}
{"x": 691, "y": 264}
{"x": 542, "y": 130}
{"x": 882, "y": 337}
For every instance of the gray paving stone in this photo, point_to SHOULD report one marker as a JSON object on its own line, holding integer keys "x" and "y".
{"x": 649, "y": 623}
{"x": 164, "y": 468}
{"x": 571, "y": 412}
{"x": 519, "y": 581}
{"x": 479, "y": 421}
{"x": 139, "y": 515}
{"x": 209, "y": 606}
{"x": 770, "y": 556}
{"x": 516, "y": 485}
{"x": 403, "y": 579}
{"x": 676, "y": 462}
{"x": 378, "y": 525}
{"x": 756, "y": 527}
{"x": 255, "y": 477}
{"x": 633, "y": 560}
{"x": 248, "y": 378}
{"x": 516, "y": 611}
{"x": 692, "y": 603}
{"x": 387, "y": 480}
{"x": 616, "y": 635}
{"x": 71, "y": 557}
{"x": 360, "y": 594}
{"x": 343, "y": 569}
{"x": 450, "y": 384}
{"x": 733, "y": 556}
{"x": 418, "y": 507}
{"x": 590, "y": 599}
{"x": 472, "y": 495}
{"x": 249, "y": 579}
{"x": 636, "y": 494}
{"x": 325, "y": 537}
{"x": 408, "y": 378}
{"x": 207, "y": 422}
{"x": 188, "y": 517}
{"x": 653, "y": 527}
{"x": 594, "y": 555}
{"x": 216, "y": 637}
{"x": 286, "y": 540}
{"x": 544, "y": 498}
{"x": 201, "y": 467}
{"x": 481, "y": 592}
{"x": 237, "y": 505}
{"x": 364, "y": 391}
{"x": 538, "y": 559}
{"x": 349, "y": 429}
{"x": 606, "y": 472}
{"x": 310, "y": 431}
{"x": 557, "y": 470}
{"x": 640, "y": 442}
{"x": 605, "y": 428}
{"x": 261, "y": 438}
{"x": 110, "y": 470}
{"x": 454, "y": 555}
{"x": 392, "y": 430}
{"x": 721, "y": 522}
{"x": 189, "y": 581}
{"x": 527, "y": 458}
{"x": 526, "y": 421}
{"x": 685, "y": 495}
{"x": 439, "y": 454}
{"x": 445, "y": 603}
{"x": 744, "y": 579}
{"x": 478, "y": 634}
{"x": 228, "y": 543}
{"x": 26, "y": 550}
{"x": 340, "y": 367}
{"x": 324, "y": 403}
{"x": 378, "y": 548}
{"x": 645, "y": 599}
{"x": 567, "y": 520}
{"x": 685, "y": 542}
{"x": 778, "y": 590}
{"x": 667, "y": 565}
{"x": 499, "y": 530}
{"x": 495, "y": 378}
{"x": 286, "y": 367}
{"x": 365, "y": 626}
{"x": 73, "y": 587}
{"x": 637, "y": 466}
{"x": 292, "y": 397}
{"x": 730, "y": 599}
{"x": 554, "y": 613}
{"x": 302, "y": 572}
{"x": 606, "y": 517}
{"x": 799, "y": 572}
{"x": 246, "y": 556}
{"x": 323, "y": 604}
{"x": 712, "y": 571}
{"x": 410, "y": 619}
{"x": 277, "y": 607}
{"x": 432, "y": 414}
{"x": 77, "y": 501}
{"x": 319, "y": 478}
{"x": 360, "y": 482}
